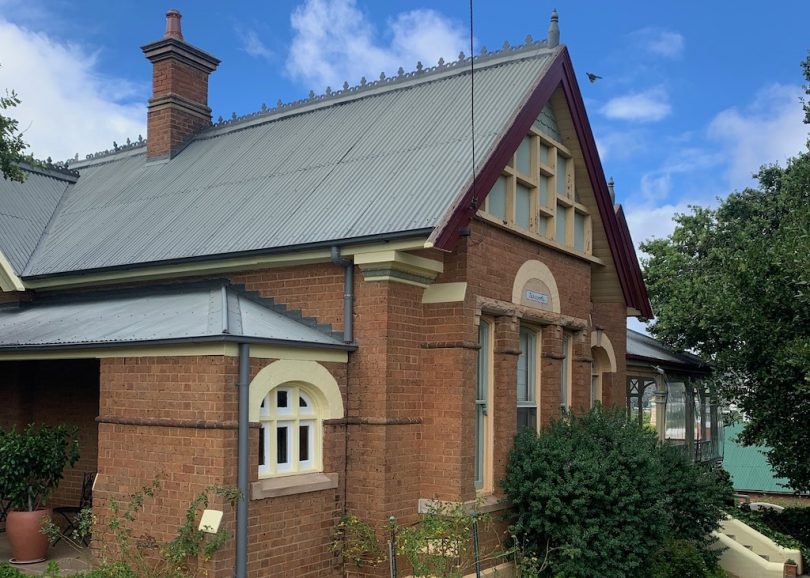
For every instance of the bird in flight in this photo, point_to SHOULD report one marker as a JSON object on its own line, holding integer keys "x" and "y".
{"x": 592, "y": 77}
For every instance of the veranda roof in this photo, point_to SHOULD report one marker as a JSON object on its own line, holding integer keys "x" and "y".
{"x": 179, "y": 313}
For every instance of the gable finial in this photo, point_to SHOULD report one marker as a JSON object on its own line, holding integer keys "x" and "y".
{"x": 612, "y": 190}
{"x": 554, "y": 30}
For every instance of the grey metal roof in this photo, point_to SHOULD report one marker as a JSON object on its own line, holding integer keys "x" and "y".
{"x": 384, "y": 161}
{"x": 25, "y": 209}
{"x": 640, "y": 345}
{"x": 165, "y": 314}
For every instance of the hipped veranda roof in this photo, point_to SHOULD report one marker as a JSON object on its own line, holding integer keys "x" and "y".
{"x": 180, "y": 313}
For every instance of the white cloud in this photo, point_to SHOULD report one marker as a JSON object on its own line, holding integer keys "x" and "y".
{"x": 67, "y": 106}
{"x": 661, "y": 42}
{"x": 335, "y": 42}
{"x": 253, "y": 45}
{"x": 769, "y": 130}
{"x": 647, "y": 221}
{"x": 648, "y": 106}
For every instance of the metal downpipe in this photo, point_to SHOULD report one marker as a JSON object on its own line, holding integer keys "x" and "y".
{"x": 348, "y": 293}
{"x": 242, "y": 462}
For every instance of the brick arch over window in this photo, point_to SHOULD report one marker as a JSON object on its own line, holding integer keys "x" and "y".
{"x": 536, "y": 270}
{"x": 314, "y": 375}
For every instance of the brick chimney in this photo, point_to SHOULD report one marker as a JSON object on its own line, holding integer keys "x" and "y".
{"x": 178, "y": 108}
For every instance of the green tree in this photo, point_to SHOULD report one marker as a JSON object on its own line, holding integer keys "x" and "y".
{"x": 11, "y": 142}
{"x": 733, "y": 284}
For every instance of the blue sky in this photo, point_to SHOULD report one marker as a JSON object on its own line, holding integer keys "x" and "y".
{"x": 694, "y": 95}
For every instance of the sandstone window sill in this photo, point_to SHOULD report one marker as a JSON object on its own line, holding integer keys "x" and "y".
{"x": 482, "y": 505}
{"x": 291, "y": 485}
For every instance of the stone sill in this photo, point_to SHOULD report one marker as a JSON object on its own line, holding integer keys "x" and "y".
{"x": 291, "y": 485}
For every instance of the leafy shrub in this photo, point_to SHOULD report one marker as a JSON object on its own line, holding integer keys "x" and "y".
{"x": 678, "y": 558}
{"x": 698, "y": 497}
{"x": 596, "y": 495}
{"x": 588, "y": 496}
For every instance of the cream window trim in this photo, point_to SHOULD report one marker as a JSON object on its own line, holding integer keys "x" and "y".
{"x": 601, "y": 340}
{"x": 484, "y": 426}
{"x": 323, "y": 386}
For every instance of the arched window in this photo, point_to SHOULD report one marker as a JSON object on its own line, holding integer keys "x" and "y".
{"x": 290, "y": 432}
{"x": 289, "y": 399}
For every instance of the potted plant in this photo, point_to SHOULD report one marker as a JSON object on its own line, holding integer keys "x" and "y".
{"x": 791, "y": 568}
{"x": 32, "y": 462}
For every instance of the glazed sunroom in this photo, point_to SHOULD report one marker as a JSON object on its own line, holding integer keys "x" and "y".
{"x": 669, "y": 390}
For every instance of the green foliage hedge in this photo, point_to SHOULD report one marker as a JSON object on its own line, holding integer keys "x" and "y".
{"x": 595, "y": 495}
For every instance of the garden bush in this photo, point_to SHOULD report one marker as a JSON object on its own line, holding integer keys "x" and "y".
{"x": 587, "y": 495}
{"x": 595, "y": 495}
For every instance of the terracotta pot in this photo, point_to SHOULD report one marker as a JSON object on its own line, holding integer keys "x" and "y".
{"x": 24, "y": 531}
{"x": 791, "y": 570}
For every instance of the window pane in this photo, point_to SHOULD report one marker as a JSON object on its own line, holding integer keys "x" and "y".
{"x": 281, "y": 398}
{"x": 302, "y": 402}
{"x": 542, "y": 225}
{"x": 562, "y": 217}
{"x": 579, "y": 231}
{"x": 282, "y": 456}
{"x": 496, "y": 201}
{"x": 543, "y": 190}
{"x": 562, "y": 166}
{"x": 544, "y": 154}
{"x": 303, "y": 443}
{"x": 525, "y": 371}
{"x": 524, "y": 156}
{"x": 523, "y": 206}
{"x": 676, "y": 411}
{"x": 526, "y": 417}
{"x": 481, "y": 402}
{"x": 262, "y": 433}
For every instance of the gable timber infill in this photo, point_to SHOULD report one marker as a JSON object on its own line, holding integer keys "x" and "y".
{"x": 291, "y": 255}
{"x": 559, "y": 73}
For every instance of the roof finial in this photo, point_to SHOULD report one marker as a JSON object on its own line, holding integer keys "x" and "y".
{"x": 173, "y": 25}
{"x": 612, "y": 190}
{"x": 554, "y": 30}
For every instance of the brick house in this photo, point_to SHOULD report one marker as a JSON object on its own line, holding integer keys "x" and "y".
{"x": 326, "y": 281}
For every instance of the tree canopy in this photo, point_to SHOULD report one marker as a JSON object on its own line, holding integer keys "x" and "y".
{"x": 733, "y": 284}
{"x": 11, "y": 142}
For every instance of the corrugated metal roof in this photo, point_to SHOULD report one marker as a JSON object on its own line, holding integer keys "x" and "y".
{"x": 156, "y": 314}
{"x": 385, "y": 162}
{"x": 25, "y": 209}
{"x": 641, "y": 345}
{"x": 748, "y": 466}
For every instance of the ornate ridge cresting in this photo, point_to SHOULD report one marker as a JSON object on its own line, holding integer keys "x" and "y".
{"x": 461, "y": 63}
{"x": 116, "y": 148}
{"x": 420, "y": 71}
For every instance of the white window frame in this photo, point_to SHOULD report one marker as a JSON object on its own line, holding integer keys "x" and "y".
{"x": 484, "y": 405}
{"x": 302, "y": 410}
{"x": 532, "y": 353}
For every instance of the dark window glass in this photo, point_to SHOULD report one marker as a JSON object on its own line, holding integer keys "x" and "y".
{"x": 303, "y": 443}
{"x": 281, "y": 398}
{"x": 302, "y": 402}
{"x": 281, "y": 449}
{"x": 527, "y": 417}
{"x": 262, "y": 431}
